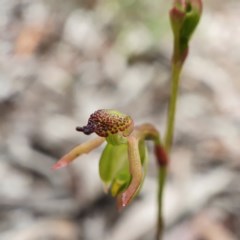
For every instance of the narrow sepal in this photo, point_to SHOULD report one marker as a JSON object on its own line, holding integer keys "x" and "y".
{"x": 136, "y": 172}
{"x": 77, "y": 151}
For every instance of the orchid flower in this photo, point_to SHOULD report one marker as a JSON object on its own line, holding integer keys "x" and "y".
{"x": 123, "y": 163}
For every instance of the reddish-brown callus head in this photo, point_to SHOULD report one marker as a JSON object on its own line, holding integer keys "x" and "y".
{"x": 106, "y": 121}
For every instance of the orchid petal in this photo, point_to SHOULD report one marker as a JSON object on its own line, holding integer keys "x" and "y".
{"x": 135, "y": 170}
{"x": 77, "y": 151}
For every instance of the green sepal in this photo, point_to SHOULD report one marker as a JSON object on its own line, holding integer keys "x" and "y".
{"x": 114, "y": 166}
{"x": 114, "y": 158}
{"x": 123, "y": 178}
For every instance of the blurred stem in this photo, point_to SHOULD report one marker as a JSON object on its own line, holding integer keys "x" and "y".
{"x": 162, "y": 174}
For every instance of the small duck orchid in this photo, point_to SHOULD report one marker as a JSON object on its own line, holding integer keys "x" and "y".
{"x": 123, "y": 163}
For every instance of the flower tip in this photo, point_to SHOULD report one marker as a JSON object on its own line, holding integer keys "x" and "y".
{"x": 176, "y": 14}
{"x": 120, "y": 203}
{"x": 197, "y": 5}
{"x": 60, "y": 164}
{"x": 86, "y": 130}
{"x": 123, "y": 200}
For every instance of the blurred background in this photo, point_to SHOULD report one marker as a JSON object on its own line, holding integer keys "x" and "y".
{"x": 62, "y": 60}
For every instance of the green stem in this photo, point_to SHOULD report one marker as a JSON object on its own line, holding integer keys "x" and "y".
{"x": 175, "y": 74}
{"x": 161, "y": 183}
{"x": 176, "y": 70}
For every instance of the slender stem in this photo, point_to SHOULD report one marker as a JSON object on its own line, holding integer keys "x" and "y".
{"x": 176, "y": 70}
{"x": 162, "y": 174}
{"x": 161, "y": 183}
